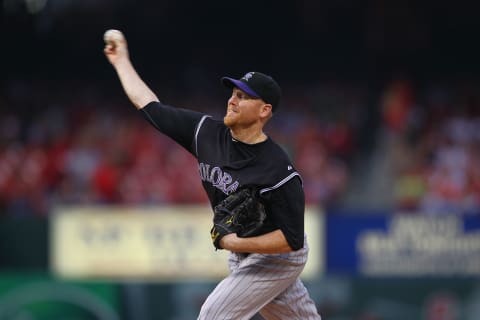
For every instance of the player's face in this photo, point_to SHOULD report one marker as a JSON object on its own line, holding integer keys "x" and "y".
{"x": 242, "y": 110}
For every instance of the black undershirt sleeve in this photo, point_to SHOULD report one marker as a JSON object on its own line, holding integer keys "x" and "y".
{"x": 287, "y": 205}
{"x": 177, "y": 123}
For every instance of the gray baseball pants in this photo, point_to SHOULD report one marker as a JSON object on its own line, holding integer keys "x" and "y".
{"x": 265, "y": 283}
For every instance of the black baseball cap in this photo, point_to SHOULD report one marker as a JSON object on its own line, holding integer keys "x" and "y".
{"x": 258, "y": 85}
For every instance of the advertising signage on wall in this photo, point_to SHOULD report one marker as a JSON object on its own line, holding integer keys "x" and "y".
{"x": 403, "y": 245}
{"x": 156, "y": 243}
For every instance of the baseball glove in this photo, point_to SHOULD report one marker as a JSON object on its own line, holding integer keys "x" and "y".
{"x": 241, "y": 213}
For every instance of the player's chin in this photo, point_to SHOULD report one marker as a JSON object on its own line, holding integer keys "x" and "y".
{"x": 229, "y": 121}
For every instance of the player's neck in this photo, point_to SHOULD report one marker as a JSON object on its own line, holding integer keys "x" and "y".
{"x": 248, "y": 136}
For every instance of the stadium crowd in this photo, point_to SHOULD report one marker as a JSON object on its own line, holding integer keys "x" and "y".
{"x": 93, "y": 149}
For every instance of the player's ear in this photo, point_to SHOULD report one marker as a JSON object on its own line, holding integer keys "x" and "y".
{"x": 266, "y": 110}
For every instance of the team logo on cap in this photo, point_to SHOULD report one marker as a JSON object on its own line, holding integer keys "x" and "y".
{"x": 248, "y": 76}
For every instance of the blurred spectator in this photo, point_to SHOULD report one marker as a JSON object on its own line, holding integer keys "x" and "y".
{"x": 397, "y": 104}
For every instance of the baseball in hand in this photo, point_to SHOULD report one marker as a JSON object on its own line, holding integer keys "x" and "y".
{"x": 112, "y": 37}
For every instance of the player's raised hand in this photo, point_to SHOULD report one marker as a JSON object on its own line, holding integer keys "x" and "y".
{"x": 116, "y": 51}
{"x": 115, "y": 46}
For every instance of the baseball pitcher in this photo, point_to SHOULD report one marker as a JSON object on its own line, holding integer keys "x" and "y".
{"x": 255, "y": 192}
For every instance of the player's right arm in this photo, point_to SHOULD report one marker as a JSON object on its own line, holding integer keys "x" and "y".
{"x": 116, "y": 51}
{"x": 179, "y": 124}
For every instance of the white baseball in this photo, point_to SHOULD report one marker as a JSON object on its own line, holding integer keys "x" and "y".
{"x": 113, "y": 36}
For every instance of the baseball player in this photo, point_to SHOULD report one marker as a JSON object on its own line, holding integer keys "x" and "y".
{"x": 232, "y": 154}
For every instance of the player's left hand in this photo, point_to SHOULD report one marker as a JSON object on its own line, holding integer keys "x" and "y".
{"x": 239, "y": 213}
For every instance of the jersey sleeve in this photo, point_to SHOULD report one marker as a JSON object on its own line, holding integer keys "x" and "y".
{"x": 177, "y": 123}
{"x": 287, "y": 207}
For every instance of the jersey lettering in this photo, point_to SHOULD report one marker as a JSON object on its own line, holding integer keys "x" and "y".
{"x": 219, "y": 179}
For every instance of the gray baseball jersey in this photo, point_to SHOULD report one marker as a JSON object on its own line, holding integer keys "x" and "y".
{"x": 265, "y": 283}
